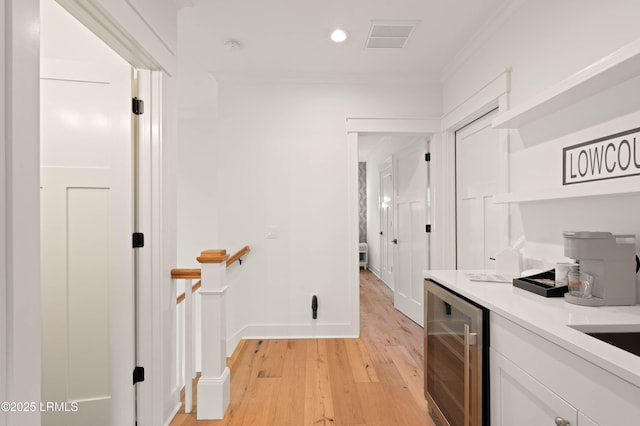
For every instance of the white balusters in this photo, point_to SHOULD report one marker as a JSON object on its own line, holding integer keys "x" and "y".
{"x": 188, "y": 346}
{"x": 213, "y": 385}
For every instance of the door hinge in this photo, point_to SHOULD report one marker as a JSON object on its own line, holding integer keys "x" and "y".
{"x": 137, "y": 106}
{"x": 428, "y": 228}
{"x": 138, "y": 240}
{"x": 138, "y": 375}
{"x": 427, "y": 156}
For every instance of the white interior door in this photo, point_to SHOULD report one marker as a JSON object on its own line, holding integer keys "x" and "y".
{"x": 482, "y": 226}
{"x": 86, "y": 227}
{"x": 411, "y": 251}
{"x": 386, "y": 224}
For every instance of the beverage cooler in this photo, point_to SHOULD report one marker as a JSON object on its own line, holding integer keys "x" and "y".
{"x": 456, "y": 356}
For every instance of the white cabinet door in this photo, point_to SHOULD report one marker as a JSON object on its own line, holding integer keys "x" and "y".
{"x": 599, "y": 396}
{"x": 585, "y": 421}
{"x": 519, "y": 399}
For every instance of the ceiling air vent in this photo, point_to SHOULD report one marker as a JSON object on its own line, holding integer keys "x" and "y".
{"x": 389, "y": 34}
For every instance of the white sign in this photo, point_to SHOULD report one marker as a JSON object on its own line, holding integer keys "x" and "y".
{"x": 610, "y": 157}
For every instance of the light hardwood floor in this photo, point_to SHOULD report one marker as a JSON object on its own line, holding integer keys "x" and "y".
{"x": 376, "y": 379}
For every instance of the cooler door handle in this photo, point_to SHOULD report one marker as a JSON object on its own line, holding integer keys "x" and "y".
{"x": 469, "y": 340}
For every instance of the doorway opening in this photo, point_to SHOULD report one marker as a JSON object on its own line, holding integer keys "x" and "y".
{"x": 397, "y": 214}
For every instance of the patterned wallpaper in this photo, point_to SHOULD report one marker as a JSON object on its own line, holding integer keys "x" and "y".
{"x": 362, "y": 198}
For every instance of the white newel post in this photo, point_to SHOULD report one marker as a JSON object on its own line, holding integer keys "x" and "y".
{"x": 214, "y": 383}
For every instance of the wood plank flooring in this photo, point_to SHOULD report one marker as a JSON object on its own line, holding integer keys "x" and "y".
{"x": 376, "y": 379}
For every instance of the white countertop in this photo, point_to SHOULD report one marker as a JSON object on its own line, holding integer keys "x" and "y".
{"x": 549, "y": 317}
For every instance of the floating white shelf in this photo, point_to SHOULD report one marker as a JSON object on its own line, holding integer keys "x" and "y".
{"x": 613, "y": 69}
{"x": 574, "y": 191}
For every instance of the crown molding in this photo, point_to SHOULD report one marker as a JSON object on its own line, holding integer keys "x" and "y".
{"x": 181, "y": 4}
{"x": 268, "y": 77}
{"x": 490, "y": 27}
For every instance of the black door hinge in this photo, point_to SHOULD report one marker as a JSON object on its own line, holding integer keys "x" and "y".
{"x": 137, "y": 106}
{"x": 428, "y": 228}
{"x": 138, "y": 240}
{"x": 427, "y": 156}
{"x": 138, "y": 375}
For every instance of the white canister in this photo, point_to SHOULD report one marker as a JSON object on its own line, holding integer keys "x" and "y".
{"x": 562, "y": 269}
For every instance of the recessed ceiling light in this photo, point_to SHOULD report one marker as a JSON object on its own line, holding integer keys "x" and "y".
{"x": 338, "y": 36}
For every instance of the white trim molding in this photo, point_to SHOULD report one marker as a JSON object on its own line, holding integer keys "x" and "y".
{"x": 354, "y": 231}
{"x": 21, "y": 205}
{"x": 478, "y": 103}
{"x": 3, "y": 222}
{"x": 138, "y": 44}
{"x": 214, "y": 395}
{"x": 393, "y": 125}
{"x": 480, "y": 38}
{"x": 354, "y": 126}
{"x": 493, "y": 94}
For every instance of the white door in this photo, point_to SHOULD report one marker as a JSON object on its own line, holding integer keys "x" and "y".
{"x": 386, "y": 225}
{"x": 86, "y": 254}
{"x": 482, "y": 226}
{"x": 411, "y": 251}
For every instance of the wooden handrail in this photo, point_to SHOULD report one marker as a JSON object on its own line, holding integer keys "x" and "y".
{"x": 195, "y": 274}
{"x": 193, "y": 289}
{"x": 244, "y": 250}
{"x": 185, "y": 274}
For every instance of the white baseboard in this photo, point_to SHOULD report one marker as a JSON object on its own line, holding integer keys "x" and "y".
{"x": 292, "y": 331}
{"x": 214, "y": 396}
{"x": 173, "y": 413}
{"x": 375, "y": 271}
{"x": 233, "y": 341}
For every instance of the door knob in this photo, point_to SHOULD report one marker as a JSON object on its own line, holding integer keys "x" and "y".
{"x": 394, "y": 241}
{"x": 562, "y": 422}
{"x": 381, "y": 233}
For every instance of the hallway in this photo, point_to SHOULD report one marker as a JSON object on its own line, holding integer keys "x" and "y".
{"x": 374, "y": 380}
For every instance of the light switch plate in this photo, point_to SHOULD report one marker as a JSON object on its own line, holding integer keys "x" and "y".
{"x": 272, "y": 232}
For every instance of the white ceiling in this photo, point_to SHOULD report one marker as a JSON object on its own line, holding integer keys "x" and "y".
{"x": 291, "y": 37}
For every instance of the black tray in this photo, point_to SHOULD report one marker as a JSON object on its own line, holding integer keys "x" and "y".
{"x": 536, "y": 284}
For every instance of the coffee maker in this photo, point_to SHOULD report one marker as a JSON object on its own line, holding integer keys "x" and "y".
{"x": 610, "y": 260}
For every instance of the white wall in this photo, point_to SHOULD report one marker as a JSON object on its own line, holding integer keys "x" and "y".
{"x": 545, "y": 42}
{"x": 197, "y": 109}
{"x": 196, "y": 135}
{"x": 281, "y": 150}
{"x": 197, "y": 106}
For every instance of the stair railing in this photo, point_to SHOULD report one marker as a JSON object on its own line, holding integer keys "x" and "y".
{"x": 214, "y": 382}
